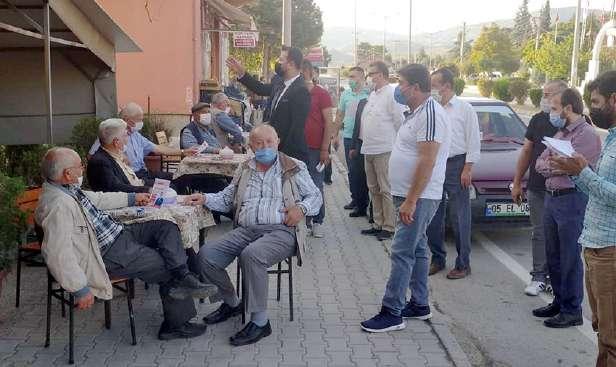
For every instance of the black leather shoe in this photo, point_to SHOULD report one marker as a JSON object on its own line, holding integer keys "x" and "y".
{"x": 350, "y": 206}
{"x": 370, "y": 232}
{"x": 384, "y": 235}
{"x": 356, "y": 213}
{"x": 188, "y": 330}
{"x": 564, "y": 320}
{"x": 250, "y": 334}
{"x": 550, "y": 310}
{"x": 190, "y": 286}
{"x": 223, "y": 313}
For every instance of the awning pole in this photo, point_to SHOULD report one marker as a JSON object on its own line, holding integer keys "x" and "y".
{"x": 47, "y": 53}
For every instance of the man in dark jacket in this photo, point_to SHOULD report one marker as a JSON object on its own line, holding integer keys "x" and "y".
{"x": 290, "y": 100}
{"x": 358, "y": 184}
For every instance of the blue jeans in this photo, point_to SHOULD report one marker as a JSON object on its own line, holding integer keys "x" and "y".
{"x": 563, "y": 221}
{"x": 409, "y": 257}
{"x": 317, "y": 177}
{"x": 456, "y": 199}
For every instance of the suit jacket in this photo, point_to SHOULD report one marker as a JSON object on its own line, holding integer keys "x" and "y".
{"x": 289, "y": 117}
{"x": 356, "y": 143}
{"x": 104, "y": 174}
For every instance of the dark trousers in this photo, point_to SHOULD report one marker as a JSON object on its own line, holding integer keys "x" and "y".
{"x": 563, "y": 222}
{"x": 358, "y": 183}
{"x": 328, "y": 173}
{"x": 347, "y": 147}
{"x": 457, "y": 202}
{"x": 149, "y": 177}
{"x": 149, "y": 251}
{"x": 317, "y": 177}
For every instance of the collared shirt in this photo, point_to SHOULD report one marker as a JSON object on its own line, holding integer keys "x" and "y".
{"x": 600, "y": 186}
{"x": 380, "y": 121}
{"x": 348, "y": 105}
{"x": 464, "y": 130}
{"x": 209, "y": 136}
{"x": 584, "y": 140}
{"x": 287, "y": 84}
{"x": 128, "y": 171}
{"x": 263, "y": 200}
{"x": 137, "y": 148}
{"x": 427, "y": 123}
{"x": 106, "y": 228}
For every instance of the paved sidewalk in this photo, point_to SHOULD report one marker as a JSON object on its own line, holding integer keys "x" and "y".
{"x": 340, "y": 284}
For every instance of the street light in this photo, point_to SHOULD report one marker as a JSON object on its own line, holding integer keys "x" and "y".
{"x": 287, "y": 10}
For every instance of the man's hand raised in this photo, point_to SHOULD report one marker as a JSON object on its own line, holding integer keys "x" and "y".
{"x": 234, "y": 65}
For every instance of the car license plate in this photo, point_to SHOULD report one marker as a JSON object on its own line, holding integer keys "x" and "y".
{"x": 507, "y": 209}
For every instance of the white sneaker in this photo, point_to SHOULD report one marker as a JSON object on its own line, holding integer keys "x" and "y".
{"x": 317, "y": 230}
{"x": 534, "y": 288}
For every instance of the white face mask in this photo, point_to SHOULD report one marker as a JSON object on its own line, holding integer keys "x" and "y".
{"x": 436, "y": 95}
{"x": 138, "y": 126}
{"x": 545, "y": 105}
{"x": 227, "y": 110}
{"x": 79, "y": 181}
{"x": 205, "y": 119}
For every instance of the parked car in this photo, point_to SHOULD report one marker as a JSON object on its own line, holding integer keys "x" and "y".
{"x": 502, "y": 138}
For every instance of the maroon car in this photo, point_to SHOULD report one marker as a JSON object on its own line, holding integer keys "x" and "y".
{"x": 502, "y": 138}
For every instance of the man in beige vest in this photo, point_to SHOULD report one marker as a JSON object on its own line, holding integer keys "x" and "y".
{"x": 271, "y": 195}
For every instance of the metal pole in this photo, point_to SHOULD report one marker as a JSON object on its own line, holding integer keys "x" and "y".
{"x": 47, "y": 56}
{"x": 355, "y": 37}
{"x": 576, "y": 44}
{"x": 410, "y": 30}
{"x": 384, "y": 36}
{"x": 462, "y": 40}
{"x": 287, "y": 9}
{"x": 612, "y": 11}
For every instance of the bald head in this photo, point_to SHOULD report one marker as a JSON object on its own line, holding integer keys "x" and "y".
{"x": 263, "y": 131}
{"x": 554, "y": 87}
{"x": 58, "y": 163}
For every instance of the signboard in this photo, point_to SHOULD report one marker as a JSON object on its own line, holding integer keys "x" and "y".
{"x": 315, "y": 56}
{"x": 244, "y": 39}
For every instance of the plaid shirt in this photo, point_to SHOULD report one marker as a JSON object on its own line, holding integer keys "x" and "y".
{"x": 600, "y": 186}
{"x": 106, "y": 228}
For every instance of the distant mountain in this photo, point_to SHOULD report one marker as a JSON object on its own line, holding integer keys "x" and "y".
{"x": 339, "y": 40}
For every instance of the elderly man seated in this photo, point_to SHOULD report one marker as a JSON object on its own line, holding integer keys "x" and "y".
{"x": 107, "y": 171}
{"x": 271, "y": 194}
{"x": 199, "y": 130}
{"x": 83, "y": 246}
{"x": 223, "y": 125}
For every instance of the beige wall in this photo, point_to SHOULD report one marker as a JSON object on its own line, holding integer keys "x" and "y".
{"x": 168, "y": 70}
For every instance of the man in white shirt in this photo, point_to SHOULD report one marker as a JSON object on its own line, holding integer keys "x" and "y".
{"x": 464, "y": 152}
{"x": 380, "y": 122}
{"x": 416, "y": 172}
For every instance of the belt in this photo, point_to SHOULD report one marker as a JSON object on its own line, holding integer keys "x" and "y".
{"x": 561, "y": 192}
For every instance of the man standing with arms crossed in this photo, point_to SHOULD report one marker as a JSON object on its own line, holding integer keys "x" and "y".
{"x": 538, "y": 128}
{"x": 464, "y": 152}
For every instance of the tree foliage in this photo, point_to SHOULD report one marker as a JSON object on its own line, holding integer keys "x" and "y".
{"x": 366, "y": 53}
{"x": 493, "y": 51}
{"x": 523, "y": 27}
{"x": 545, "y": 19}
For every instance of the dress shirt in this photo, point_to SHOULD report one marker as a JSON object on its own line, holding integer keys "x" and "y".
{"x": 600, "y": 186}
{"x": 348, "y": 106}
{"x": 585, "y": 141}
{"x": 137, "y": 148}
{"x": 128, "y": 171}
{"x": 287, "y": 84}
{"x": 263, "y": 200}
{"x": 464, "y": 130}
{"x": 380, "y": 121}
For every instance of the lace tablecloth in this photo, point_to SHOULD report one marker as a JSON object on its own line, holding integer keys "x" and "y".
{"x": 211, "y": 164}
{"x": 189, "y": 219}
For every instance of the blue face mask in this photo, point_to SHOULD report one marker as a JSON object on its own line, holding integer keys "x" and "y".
{"x": 557, "y": 121}
{"x": 399, "y": 97}
{"x": 266, "y": 155}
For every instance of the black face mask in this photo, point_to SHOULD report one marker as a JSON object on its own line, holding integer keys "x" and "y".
{"x": 603, "y": 117}
{"x": 278, "y": 69}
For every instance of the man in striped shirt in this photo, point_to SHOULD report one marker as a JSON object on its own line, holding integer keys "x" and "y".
{"x": 416, "y": 173}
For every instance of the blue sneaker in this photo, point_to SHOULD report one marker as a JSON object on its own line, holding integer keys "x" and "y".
{"x": 414, "y": 311}
{"x": 383, "y": 322}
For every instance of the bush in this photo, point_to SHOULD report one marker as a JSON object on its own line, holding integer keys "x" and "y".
{"x": 12, "y": 220}
{"x": 501, "y": 90}
{"x": 485, "y": 87}
{"x": 535, "y": 95}
{"x": 23, "y": 161}
{"x": 153, "y": 124}
{"x": 458, "y": 86}
{"x": 84, "y": 134}
{"x": 518, "y": 89}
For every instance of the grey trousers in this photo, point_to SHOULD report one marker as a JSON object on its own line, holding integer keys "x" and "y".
{"x": 137, "y": 253}
{"x": 258, "y": 247}
{"x": 536, "y": 202}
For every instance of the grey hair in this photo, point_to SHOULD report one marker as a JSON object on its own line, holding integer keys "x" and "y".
{"x": 559, "y": 85}
{"x": 219, "y": 97}
{"x": 55, "y": 161}
{"x": 111, "y": 129}
{"x": 261, "y": 130}
{"x": 130, "y": 110}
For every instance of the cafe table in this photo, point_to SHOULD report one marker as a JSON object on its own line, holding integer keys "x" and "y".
{"x": 212, "y": 164}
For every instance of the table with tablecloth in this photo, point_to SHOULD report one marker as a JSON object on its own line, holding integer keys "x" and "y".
{"x": 212, "y": 164}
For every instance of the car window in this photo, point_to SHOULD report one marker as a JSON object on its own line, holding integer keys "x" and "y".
{"x": 499, "y": 123}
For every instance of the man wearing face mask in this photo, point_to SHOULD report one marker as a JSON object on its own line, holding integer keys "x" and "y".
{"x": 271, "y": 195}
{"x": 599, "y": 234}
{"x": 83, "y": 246}
{"x": 199, "y": 130}
{"x": 139, "y": 146}
{"x": 223, "y": 125}
{"x": 564, "y": 212}
{"x": 289, "y": 100}
{"x": 464, "y": 152}
{"x": 538, "y": 128}
{"x": 107, "y": 171}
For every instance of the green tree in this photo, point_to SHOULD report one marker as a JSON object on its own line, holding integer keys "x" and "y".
{"x": 366, "y": 53}
{"x": 494, "y": 51}
{"x": 454, "y": 52}
{"x": 545, "y": 19}
{"x": 523, "y": 27}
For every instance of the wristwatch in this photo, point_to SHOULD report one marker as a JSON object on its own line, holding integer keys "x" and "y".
{"x": 303, "y": 209}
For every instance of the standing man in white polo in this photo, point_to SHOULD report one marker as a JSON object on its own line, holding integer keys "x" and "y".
{"x": 380, "y": 121}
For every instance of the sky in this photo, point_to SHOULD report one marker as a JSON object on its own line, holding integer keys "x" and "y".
{"x": 430, "y": 15}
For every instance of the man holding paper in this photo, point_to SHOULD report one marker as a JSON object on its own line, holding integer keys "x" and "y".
{"x": 564, "y": 209}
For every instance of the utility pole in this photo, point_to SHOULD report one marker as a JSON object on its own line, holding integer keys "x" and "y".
{"x": 384, "y": 35}
{"x": 287, "y": 9}
{"x": 47, "y": 61}
{"x": 576, "y": 45}
{"x": 556, "y": 28}
{"x": 355, "y": 37}
{"x": 537, "y": 26}
{"x": 408, "y": 58}
{"x": 612, "y": 11}
{"x": 462, "y": 41}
